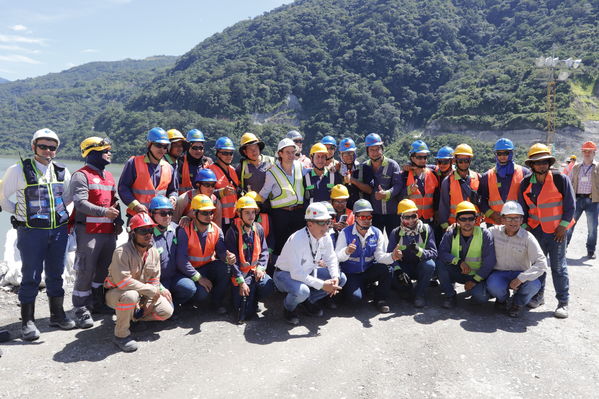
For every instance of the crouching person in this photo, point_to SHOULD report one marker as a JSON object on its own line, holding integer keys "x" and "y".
{"x": 520, "y": 262}
{"x": 307, "y": 269}
{"x": 133, "y": 282}
{"x": 247, "y": 241}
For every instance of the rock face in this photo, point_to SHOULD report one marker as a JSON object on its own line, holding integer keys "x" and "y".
{"x": 288, "y": 113}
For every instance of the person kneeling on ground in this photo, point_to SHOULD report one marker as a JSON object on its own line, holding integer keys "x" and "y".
{"x": 520, "y": 261}
{"x": 133, "y": 282}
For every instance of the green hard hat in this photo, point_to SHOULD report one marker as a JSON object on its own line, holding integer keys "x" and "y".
{"x": 362, "y": 205}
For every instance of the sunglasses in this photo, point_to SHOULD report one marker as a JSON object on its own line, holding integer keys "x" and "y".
{"x": 463, "y": 160}
{"x": 208, "y": 185}
{"x": 364, "y": 217}
{"x": 542, "y": 162}
{"x": 206, "y": 213}
{"x": 298, "y": 141}
{"x": 161, "y": 146}
{"x": 46, "y": 147}
{"x": 322, "y": 222}
{"x": 226, "y": 153}
{"x": 467, "y": 218}
{"x": 197, "y": 148}
{"x": 420, "y": 156}
{"x": 409, "y": 217}
{"x": 443, "y": 162}
{"x": 144, "y": 231}
{"x": 502, "y": 153}
{"x": 163, "y": 213}
{"x": 105, "y": 142}
{"x": 106, "y": 151}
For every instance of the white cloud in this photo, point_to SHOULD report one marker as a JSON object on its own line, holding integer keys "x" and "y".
{"x": 18, "y": 28}
{"x": 90, "y": 50}
{"x": 19, "y": 59}
{"x": 12, "y": 47}
{"x": 20, "y": 39}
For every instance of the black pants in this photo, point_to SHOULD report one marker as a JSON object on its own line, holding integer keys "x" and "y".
{"x": 284, "y": 223}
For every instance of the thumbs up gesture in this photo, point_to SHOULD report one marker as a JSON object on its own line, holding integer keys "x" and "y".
{"x": 231, "y": 258}
{"x": 380, "y": 194}
{"x": 347, "y": 178}
{"x": 351, "y": 247}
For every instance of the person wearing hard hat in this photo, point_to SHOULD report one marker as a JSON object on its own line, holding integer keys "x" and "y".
{"x": 97, "y": 223}
{"x": 176, "y": 148}
{"x": 201, "y": 256}
{"x": 247, "y": 241}
{"x": 253, "y": 166}
{"x": 443, "y": 163}
{"x": 520, "y": 262}
{"x": 227, "y": 182}
{"x": 461, "y": 185}
{"x": 193, "y": 160}
{"x": 133, "y": 282}
{"x": 466, "y": 256}
{"x": 343, "y": 216}
{"x": 417, "y": 250}
{"x": 204, "y": 182}
{"x": 420, "y": 181}
{"x": 298, "y": 140}
{"x": 361, "y": 250}
{"x": 548, "y": 201}
{"x": 351, "y": 170}
{"x": 585, "y": 181}
{"x": 331, "y": 144}
{"x": 284, "y": 187}
{"x": 307, "y": 269}
{"x": 149, "y": 175}
{"x": 570, "y": 163}
{"x": 500, "y": 183}
{"x": 39, "y": 188}
{"x": 319, "y": 180}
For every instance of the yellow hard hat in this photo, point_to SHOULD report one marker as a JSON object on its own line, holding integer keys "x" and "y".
{"x": 463, "y": 149}
{"x": 318, "y": 148}
{"x": 247, "y": 139}
{"x": 406, "y": 205}
{"x": 465, "y": 206}
{"x": 246, "y": 202}
{"x": 94, "y": 144}
{"x": 537, "y": 152}
{"x": 537, "y": 149}
{"x": 573, "y": 157}
{"x": 339, "y": 191}
{"x": 202, "y": 202}
{"x": 175, "y": 135}
{"x": 255, "y": 196}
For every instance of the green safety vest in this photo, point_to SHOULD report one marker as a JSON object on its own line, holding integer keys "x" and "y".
{"x": 290, "y": 195}
{"x": 474, "y": 256}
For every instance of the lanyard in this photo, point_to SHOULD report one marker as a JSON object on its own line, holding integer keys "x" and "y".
{"x": 588, "y": 169}
{"x": 312, "y": 252}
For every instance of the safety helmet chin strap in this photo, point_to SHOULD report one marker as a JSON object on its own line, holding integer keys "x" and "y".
{"x": 151, "y": 155}
{"x": 222, "y": 160}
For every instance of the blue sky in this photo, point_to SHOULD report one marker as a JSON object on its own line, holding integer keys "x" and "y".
{"x": 38, "y": 37}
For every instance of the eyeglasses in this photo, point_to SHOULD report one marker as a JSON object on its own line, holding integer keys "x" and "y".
{"x": 541, "y": 162}
{"x": 144, "y": 231}
{"x": 197, "y": 148}
{"x": 463, "y": 160}
{"x": 161, "y": 146}
{"x": 206, "y": 213}
{"x": 467, "y": 218}
{"x": 512, "y": 218}
{"x": 163, "y": 213}
{"x": 106, "y": 151}
{"x": 298, "y": 141}
{"x": 208, "y": 185}
{"x": 322, "y": 222}
{"x": 364, "y": 217}
{"x": 502, "y": 153}
{"x": 226, "y": 153}
{"x": 46, "y": 147}
{"x": 409, "y": 217}
{"x": 420, "y": 156}
{"x": 443, "y": 161}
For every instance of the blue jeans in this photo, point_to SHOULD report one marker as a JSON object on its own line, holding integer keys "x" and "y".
{"x": 182, "y": 288}
{"x": 41, "y": 250}
{"x": 591, "y": 210}
{"x": 298, "y": 292}
{"x": 556, "y": 255}
{"x": 259, "y": 291}
{"x": 357, "y": 283}
{"x": 422, "y": 272}
{"x": 450, "y": 274}
{"x": 498, "y": 286}
{"x": 185, "y": 289}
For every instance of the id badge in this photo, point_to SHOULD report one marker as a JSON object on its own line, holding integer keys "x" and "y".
{"x": 584, "y": 179}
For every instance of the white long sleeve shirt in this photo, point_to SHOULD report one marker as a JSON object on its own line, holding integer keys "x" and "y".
{"x": 519, "y": 252}
{"x": 380, "y": 253}
{"x": 301, "y": 260}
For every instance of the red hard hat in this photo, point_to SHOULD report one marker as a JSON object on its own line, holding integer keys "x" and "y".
{"x": 141, "y": 219}
{"x": 589, "y": 145}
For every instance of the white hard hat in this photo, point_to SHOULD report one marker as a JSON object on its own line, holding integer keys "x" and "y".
{"x": 294, "y": 134}
{"x": 45, "y": 133}
{"x": 512, "y": 208}
{"x": 286, "y": 143}
{"x": 317, "y": 211}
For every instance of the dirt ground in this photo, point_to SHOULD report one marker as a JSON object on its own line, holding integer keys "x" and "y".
{"x": 467, "y": 352}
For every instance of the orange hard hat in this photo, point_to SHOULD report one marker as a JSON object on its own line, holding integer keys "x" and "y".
{"x": 589, "y": 145}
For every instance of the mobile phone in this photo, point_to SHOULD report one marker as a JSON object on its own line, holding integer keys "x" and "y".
{"x": 343, "y": 219}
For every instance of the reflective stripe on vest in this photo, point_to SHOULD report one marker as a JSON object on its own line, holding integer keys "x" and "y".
{"x": 228, "y": 201}
{"x": 309, "y": 187}
{"x": 474, "y": 255}
{"x": 290, "y": 195}
{"x": 197, "y": 256}
{"x": 244, "y": 265}
{"x": 101, "y": 192}
{"x": 455, "y": 194}
{"x": 424, "y": 202}
{"x": 495, "y": 200}
{"x": 143, "y": 189}
{"x": 548, "y": 210}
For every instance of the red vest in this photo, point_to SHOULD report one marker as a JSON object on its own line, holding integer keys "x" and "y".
{"x": 424, "y": 201}
{"x": 455, "y": 194}
{"x": 197, "y": 256}
{"x": 495, "y": 200}
{"x": 227, "y": 201}
{"x": 549, "y": 208}
{"x": 143, "y": 189}
{"x": 101, "y": 192}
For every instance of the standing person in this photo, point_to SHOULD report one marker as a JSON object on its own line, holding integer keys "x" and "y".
{"x": 227, "y": 183}
{"x": 350, "y": 169}
{"x": 319, "y": 180}
{"x": 247, "y": 241}
{"x": 204, "y": 182}
{"x": 40, "y": 217}
{"x": 421, "y": 182}
{"x": 284, "y": 188}
{"x": 254, "y": 165}
{"x": 192, "y": 161}
{"x": 585, "y": 181}
{"x": 133, "y": 283}
{"x": 331, "y": 144}
{"x": 298, "y": 140}
{"x": 444, "y": 167}
{"x": 343, "y": 216}
{"x": 149, "y": 175}
{"x": 548, "y": 201}
{"x": 176, "y": 148}
{"x": 520, "y": 261}
{"x": 307, "y": 269}
{"x": 97, "y": 225}
{"x": 501, "y": 183}
{"x": 570, "y": 163}
{"x": 361, "y": 251}
{"x": 386, "y": 185}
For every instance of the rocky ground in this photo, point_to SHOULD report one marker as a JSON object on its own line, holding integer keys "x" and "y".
{"x": 468, "y": 352}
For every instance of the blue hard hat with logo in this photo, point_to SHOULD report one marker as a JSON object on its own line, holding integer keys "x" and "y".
{"x": 328, "y": 140}
{"x": 158, "y": 135}
{"x": 419, "y": 146}
{"x": 224, "y": 143}
{"x": 160, "y": 202}
{"x": 373, "y": 139}
{"x": 504, "y": 144}
{"x": 195, "y": 135}
{"x": 346, "y": 145}
{"x": 445, "y": 153}
{"x": 203, "y": 174}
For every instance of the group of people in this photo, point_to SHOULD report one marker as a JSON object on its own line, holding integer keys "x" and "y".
{"x": 310, "y": 226}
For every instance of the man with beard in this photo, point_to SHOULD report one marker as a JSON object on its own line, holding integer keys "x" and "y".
{"x": 253, "y": 166}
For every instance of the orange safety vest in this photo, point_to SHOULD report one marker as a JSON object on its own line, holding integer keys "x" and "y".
{"x": 495, "y": 200}
{"x": 424, "y": 202}
{"x": 264, "y": 221}
{"x": 549, "y": 208}
{"x": 197, "y": 256}
{"x": 143, "y": 189}
{"x": 185, "y": 184}
{"x": 228, "y": 201}
{"x": 455, "y": 195}
{"x": 244, "y": 265}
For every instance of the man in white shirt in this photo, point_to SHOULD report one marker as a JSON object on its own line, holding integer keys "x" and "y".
{"x": 307, "y": 269}
{"x": 520, "y": 261}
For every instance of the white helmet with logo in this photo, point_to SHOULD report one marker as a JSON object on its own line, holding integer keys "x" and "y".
{"x": 317, "y": 211}
{"x": 45, "y": 133}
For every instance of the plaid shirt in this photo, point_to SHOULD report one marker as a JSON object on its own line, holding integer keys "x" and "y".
{"x": 585, "y": 175}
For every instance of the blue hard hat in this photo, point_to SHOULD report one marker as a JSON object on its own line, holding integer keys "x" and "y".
{"x": 419, "y": 146}
{"x": 195, "y": 135}
{"x": 203, "y": 174}
{"x": 328, "y": 140}
{"x": 160, "y": 202}
{"x": 504, "y": 144}
{"x": 224, "y": 143}
{"x": 445, "y": 153}
{"x": 158, "y": 135}
{"x": 346, "y": 145}
{"x": 373, "y": 139}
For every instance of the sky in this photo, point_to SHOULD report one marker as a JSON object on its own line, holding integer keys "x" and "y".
{"x": 39, "y": 37}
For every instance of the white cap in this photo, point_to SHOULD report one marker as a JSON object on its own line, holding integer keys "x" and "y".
{"x": 512, "y": 208}
{"x": 286, "y": 143}
{"x": 45, "y": 133}
{"x": 317, "y": 211}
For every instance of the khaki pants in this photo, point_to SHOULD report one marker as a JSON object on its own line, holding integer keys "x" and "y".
{"x": 124, "y": 302}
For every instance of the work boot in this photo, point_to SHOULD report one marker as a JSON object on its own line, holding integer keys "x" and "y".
{"x": 291, "y": 317}
{"x": 591, "y": 255}
{"x": 449, "y": 302}
{"x": 500, "y": 306}
{"x": 515, "y": 310}
{"x": 83, "y": 318}
{"x": 99, "y": 302}
{"x": 28, "y": 329}
{"x": 58, "y": 318}
{"x": 536, "y": 301}
{"x": 127, "y": 344}
{"x": 562, "y": 310}
{"x": 382, "y": 306}
{"x": 312, "y": 309}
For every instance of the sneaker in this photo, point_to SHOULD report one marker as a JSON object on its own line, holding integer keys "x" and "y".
{"x": 449, "y": 302}
{"x": 29, "y": 331}
{"x": 419, "y": 302}
{"x": 83, "y": 318}
{"x": 536, "y": 301}
{"x": 312, "y": 309}
{"x": 591, "y": 255}
{"x": 500, "y": 306}
{"x": 562, "y": 311}
{"x": 514, "y": 311}
{"x": 127, "y": 344}
{"x": 382, "y": 306}
{"x": 291, "y": 317}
